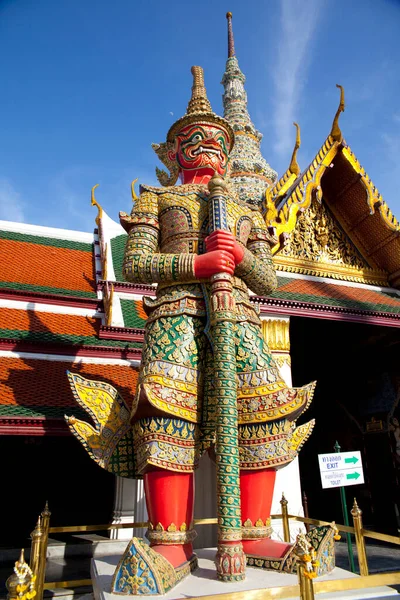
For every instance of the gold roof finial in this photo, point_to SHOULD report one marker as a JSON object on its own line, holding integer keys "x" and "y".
{"x": 294, "y": 165}
{"x": 134, "y": 196}
{"x": 199, "y": 101}
{"x": 336, "y": 133}
{"x": 231, "y": 42}
{"x": 95, "y": 203}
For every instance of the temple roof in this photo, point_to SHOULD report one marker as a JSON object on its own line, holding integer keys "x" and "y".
{"x": 336, "y": 180}
{"x": 47, "y": 261}
{"x": 323, "y": 298}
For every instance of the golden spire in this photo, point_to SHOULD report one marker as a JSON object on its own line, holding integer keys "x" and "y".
{"x": 336, "y": 134}
{"x": 294, "y": 165}
{"x": 231, "y": 43}
{"x": 199, "y": 101}
{"x": 198, "y": 111}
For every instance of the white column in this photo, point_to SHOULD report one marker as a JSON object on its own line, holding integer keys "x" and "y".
{"x": 276, "y": 332}
{"x": 129, "y": 506}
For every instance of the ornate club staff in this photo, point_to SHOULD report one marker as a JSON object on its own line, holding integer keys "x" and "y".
{"x": 230, "y": 559}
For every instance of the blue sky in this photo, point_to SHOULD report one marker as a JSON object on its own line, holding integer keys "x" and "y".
{"x": 88, "y": 85}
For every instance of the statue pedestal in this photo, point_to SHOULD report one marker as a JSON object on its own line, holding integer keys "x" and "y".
{"x": 203, "y": 581}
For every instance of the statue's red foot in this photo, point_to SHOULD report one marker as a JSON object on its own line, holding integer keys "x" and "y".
{"x": 175, "y": 554}
{"x": 282, "y": 557}
{"x": 266, "y": 547}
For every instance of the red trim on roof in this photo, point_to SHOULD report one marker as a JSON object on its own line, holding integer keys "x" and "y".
{"x": 124, "y": 286}
{"x": 70, "y": 350}
{"x": 53, "y": 299}
{"x": 121, "y": 333}
{"x": 322, "y": 311}
{"x": 36, "y": 426}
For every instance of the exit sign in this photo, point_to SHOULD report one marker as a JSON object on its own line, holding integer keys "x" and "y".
{"x": 341, "y": 469}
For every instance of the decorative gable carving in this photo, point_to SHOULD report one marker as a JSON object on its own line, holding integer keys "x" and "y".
{"x": 319, "y": 246}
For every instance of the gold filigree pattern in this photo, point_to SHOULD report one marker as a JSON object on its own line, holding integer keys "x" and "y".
{"x": 171, "y": 444}
{"x": 258, "y": 530}
{"x": 309, "y": 240}
{"x": 171, "y": 535}
{"x": 276, "y": 334}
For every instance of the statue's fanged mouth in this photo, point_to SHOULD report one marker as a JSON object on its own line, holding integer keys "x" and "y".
{"x": 201, "y": 150}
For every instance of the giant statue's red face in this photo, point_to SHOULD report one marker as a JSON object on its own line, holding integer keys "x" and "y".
{"x": 202, "y": 149}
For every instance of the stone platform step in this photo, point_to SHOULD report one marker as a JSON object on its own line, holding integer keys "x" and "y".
{"x": 203, "y": 582}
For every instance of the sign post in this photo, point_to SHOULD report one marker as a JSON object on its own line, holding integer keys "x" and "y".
{"x": 340, "y": 470}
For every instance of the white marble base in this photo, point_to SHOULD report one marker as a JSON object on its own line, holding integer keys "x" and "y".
{"x": 203, "y": 581}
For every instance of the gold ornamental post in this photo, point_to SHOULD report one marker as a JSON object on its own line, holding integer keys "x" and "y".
{"x": 46, "y": 514}
{"x": 356, "y": 513}
{"x": 40, "y": 536}
{"x": 285, "y": 519}
{"x": 37, "y": 537}
{"x": 305, "y": 583}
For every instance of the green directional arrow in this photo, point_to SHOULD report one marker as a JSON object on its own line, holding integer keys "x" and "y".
{"x": 353, "y": 476}
{"x": 353, "y": 460}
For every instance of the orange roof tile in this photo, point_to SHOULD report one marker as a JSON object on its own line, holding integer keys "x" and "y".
{"x": 43, "y": 322}
{"x": 339, "y": 292}
{"x": 46, "y": 266}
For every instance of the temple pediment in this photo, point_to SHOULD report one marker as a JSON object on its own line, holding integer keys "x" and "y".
{"x": 319, "y": 246}
{"x": 331, "y": 221}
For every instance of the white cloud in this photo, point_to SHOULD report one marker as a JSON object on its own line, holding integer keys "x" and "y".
{"x": 11, "y": 205}
{"x": 298, "y": 22}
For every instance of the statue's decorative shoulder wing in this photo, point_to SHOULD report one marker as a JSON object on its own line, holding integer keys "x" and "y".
{"x": 109, "y": 442}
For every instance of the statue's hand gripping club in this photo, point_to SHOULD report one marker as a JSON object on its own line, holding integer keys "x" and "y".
{"x": 225, "y": 241}
{"x": 223, "y": 254}
{"x": 211, "y": 263}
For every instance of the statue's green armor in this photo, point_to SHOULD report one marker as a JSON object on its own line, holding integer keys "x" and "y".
{"x": 173, "y": 412}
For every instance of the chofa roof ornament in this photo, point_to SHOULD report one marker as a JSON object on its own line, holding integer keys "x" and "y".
{"x": 336, "y": 133}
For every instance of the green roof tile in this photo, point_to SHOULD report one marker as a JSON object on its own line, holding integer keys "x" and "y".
{"x": 130, "y": 314}
{"x": 117, "y": 251}
{"x": 46, "y": 241}
{"x": 13, "y": 285}
{"x": 67, "y": 339}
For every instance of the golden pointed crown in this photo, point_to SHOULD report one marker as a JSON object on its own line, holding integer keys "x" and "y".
{"x": 199, "y": 110}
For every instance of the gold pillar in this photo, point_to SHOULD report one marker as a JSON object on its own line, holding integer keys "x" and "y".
{"x": 305, "y": 583}
{"x": 285, "y": 519}
{"x": 276, "y": 334}
{"x": 45, "y": 520}
{"x": 37, "y": 537}
{"x": 356, "y": 513}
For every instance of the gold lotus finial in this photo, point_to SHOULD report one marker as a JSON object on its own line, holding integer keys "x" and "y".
{"x": 95, "y": 203}
{"x": 294, "y": 165}
{"x": 336, "y": 133}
